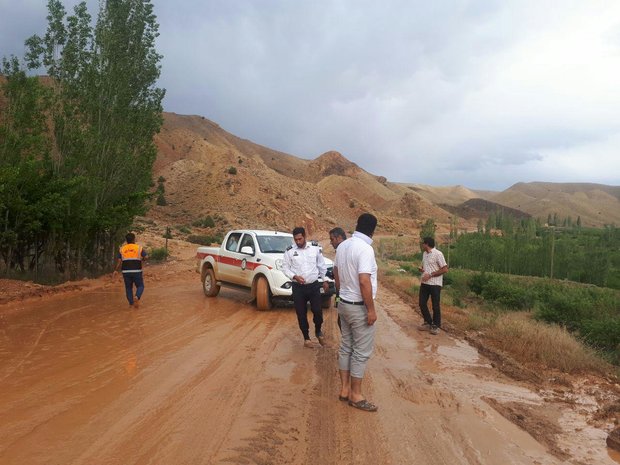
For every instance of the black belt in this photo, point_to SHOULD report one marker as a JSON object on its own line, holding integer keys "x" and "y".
{"x": 295, "y": 283}
{"x": 351, "y": 303}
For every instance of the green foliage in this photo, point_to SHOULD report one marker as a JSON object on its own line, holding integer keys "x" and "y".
{"x": 500, "y": 290}
{"x": 232, "y": 170}
{"x": 161, "y": 200}
{"x": 76, "y": 155}
{"x": 159, "y": 254}
{"x": 184, "y": 229}
{"x": 428, "y": 229}
{"x": 204, "y": 239}
{"x": 161, "y": 180}
{"x": 410, "y": 268}
{"x": 206, "y": 222}
{"x": 527, "y": 248}
{"x": 592, "y": 312}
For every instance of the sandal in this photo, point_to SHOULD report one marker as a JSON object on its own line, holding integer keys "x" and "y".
{"x": 364, "y": 405}
{"x": 343, "y": 398}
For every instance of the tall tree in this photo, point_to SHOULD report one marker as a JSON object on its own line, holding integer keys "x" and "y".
{"x": 105, "y": 110}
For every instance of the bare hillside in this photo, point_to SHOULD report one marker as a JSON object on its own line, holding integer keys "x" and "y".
{"x": 596, "y": 204}
{"x": 209, "y": 171}
{"x": 448, "y": 195}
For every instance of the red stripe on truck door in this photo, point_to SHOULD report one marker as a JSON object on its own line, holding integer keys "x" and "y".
{"x": 229, "y": 260}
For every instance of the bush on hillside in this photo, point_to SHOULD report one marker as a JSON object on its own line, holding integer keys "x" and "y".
{"x": 158, "y": 254}
{"x": 206, "y": 222}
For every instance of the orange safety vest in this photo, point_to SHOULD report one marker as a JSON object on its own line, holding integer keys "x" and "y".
{"x": 131, "y": 255}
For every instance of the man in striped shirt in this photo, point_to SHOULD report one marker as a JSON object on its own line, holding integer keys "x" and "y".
{"x": 433, "y": 268}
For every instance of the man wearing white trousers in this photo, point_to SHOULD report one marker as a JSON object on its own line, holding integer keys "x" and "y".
{"x": 355, "y": 272}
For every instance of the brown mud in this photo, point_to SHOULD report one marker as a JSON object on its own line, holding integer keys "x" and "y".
{"x": 193, "y": 380}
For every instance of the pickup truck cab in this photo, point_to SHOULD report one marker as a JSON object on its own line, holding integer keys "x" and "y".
{"x": 253, "y": 259}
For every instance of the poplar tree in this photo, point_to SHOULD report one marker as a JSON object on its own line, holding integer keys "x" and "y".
{"x": 106, "y": 109}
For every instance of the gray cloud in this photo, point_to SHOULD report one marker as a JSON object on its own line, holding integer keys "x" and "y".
{"x": 478, "y": 93}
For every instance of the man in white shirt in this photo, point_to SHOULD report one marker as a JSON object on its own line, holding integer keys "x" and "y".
{"x": 355, "y": 272}
{"x": 433, "y": 268}
{"x": 303, "y": 264}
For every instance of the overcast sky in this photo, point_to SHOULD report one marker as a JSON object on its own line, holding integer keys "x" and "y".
{"x": 479, "y": 93}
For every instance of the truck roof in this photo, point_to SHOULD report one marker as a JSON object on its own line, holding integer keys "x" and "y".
{"x": 262, "y": 232}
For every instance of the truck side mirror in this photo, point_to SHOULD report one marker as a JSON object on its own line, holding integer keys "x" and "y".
{"x": 247, "y": 250}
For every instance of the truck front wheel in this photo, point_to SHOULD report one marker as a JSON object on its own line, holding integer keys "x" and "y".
{"x": 263, "y": 294}
{"x": 209, "y": 283}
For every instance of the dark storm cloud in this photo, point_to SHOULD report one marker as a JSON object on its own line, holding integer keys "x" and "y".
{"x": 477, "y": 93}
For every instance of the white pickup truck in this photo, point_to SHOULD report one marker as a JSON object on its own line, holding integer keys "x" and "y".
{"x": 252, "y": 259}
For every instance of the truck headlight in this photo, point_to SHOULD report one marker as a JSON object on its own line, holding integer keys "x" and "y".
{"x": 279, "y": 264}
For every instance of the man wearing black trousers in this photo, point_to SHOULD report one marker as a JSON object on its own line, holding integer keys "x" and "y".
{"x": 433, "y": 268}
{"x": 304, "y": 265}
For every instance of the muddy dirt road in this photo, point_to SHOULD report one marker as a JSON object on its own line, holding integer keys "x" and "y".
{"x": 191, "y": 380}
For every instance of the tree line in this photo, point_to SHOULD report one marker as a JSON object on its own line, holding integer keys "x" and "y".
{"x": 76, "y": 146}
{"x": 528, "y": 247}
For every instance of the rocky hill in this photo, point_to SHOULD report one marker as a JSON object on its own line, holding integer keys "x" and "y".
{"x": 209, "y": 171}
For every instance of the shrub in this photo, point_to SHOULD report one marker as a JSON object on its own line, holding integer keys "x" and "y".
{"x": 184, "y": 229}
{"x": 232, "y": 170}
{"x": 161, "y": 179}
{"x": 206, "y": 222}
{"x": 161, "y": 200}
{"x": 603, "y": 334}
{"x": 410, "y": 268}
{"x": 159, "y": 254}
{"x": 478, "y": 282}
{"x": 500, "y": 290}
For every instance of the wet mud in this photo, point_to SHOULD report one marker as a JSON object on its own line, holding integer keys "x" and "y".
{"x": 193, "y": 380}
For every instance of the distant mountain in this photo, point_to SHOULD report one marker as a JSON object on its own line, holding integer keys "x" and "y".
{"x": 474, "y": 209}
{"x": 209, "y": 171}
{"x": 596, "y": 204}
{"x": 448, "y": 195}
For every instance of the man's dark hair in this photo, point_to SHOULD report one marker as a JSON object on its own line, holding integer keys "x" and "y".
{"x": 130, "y": 238}
{"x": 299, "y": 230}
{"x": 366, "y": 224}
{"x": 338, "y": 232}
{"x": 429, "y": 241}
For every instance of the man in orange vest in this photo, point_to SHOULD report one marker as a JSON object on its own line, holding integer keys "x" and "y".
{"x": 130, "y": 257}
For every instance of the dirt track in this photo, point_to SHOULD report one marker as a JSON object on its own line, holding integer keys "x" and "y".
{"x": 191, "y": 380}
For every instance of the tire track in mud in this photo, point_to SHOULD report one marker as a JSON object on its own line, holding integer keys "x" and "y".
{"x": 338, "y": 433}
{"x": 208, "y": 398}
{"x": 39, "y": 337}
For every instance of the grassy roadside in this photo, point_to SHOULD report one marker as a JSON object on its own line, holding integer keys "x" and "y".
{"x": 513, "y": 334}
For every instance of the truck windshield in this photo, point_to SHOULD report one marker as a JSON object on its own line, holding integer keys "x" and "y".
{"x": 274, "y": 244}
